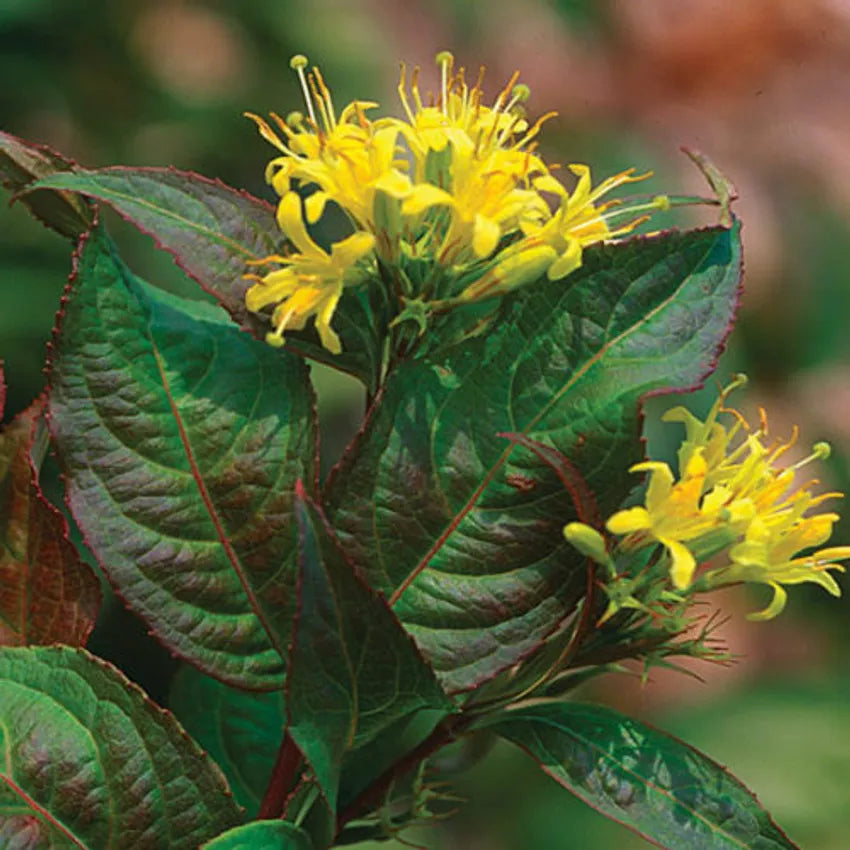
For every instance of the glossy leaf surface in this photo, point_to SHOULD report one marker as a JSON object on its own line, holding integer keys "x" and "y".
{"x": 262, "y": 835}
{"x": 181, "y": 439}
{"x": 214, "y": 233}
{"x": 47, "y": 593}
{"x": 241, "y": 730}
{"x": 23, "y": 162}
{"x": 460, "y": 527}
{"x": 647, "y": 780}
{"x": 353, "y": 671}
{"x": 90, "y": 762}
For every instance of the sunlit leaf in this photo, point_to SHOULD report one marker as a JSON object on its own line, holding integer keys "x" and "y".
{"x": 181, "y": 438}
{"x": 455, "y": 521}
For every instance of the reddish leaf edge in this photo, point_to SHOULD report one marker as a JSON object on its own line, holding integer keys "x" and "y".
{"x": 42, "y": 150}
{"x": 262, "y": 205}
{"x": 240, "y": 316}
{"x": 51, "y": 346}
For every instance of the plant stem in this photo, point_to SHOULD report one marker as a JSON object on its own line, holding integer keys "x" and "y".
{"x": 283, "y": 775}
{"x": 444, "y": 733}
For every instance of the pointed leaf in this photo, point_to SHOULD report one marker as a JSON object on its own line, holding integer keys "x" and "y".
{"x": 647, "y": 780}
{"x": 90, "y": 762}
{"x": 214, "y": 232}
{"x": 241, "y": 730}
{"x": 353, "y": 671}
{"x": 262, "y": 835}
{"x": 181, "y": 438}
{"x": 47, "y": 593}
{"x": 461, "y": 527}
{"x": 21, "y": 163}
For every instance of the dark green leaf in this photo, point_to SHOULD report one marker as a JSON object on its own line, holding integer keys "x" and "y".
{"x": 262, "y": 835}
{"x": 213, "y": 232}
{"x": 181, "y": 438}
{"x": 647, "y": 780}
{"x": 353, "y": 671}
{"x": 241, "y": 730}
{"x": 461, "y": 528}
{"x": 21, "y": 163}
{"x": 90, "y": 762}
{"x": 47, "y": 593}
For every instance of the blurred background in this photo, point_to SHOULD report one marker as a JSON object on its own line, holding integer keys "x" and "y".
{"x": 758, "y": 85}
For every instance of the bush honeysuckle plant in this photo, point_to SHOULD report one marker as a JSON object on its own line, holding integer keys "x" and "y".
{"x": 475, "y": 555}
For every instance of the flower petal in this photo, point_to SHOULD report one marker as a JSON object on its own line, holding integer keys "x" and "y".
{"x": 774, "y": 608}
{"x": 683, "y": 563}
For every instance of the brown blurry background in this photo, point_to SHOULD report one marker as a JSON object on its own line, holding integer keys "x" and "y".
{"x": 761, "y": 86}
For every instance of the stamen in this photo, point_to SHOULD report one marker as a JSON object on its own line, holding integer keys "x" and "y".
{"x": 820, "y": 451}
{"x": 326, "y": 95}
{"x": 503, "y": 94}
{"x": 402, "y": 93}
{"x": 475, "y": 94}
{"x": 414, "y": 88}
{"x": 326, "y": 118}
{"x": 534, "y": 130}
{"x": 446, "y": 61}
{"x": 520, "y": 94}
{"x": 298, "y": 63}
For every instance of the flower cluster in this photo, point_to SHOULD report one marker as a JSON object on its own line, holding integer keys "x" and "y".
{"x": 734, "y": 502}
{"x": 450, "y": 203}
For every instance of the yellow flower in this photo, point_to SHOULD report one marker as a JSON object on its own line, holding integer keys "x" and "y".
{"x": 462, "y": 214}
{"x": 473, "y": 160}
{"x": 310, "y": 282}
{"x": 579, "y": 221}
{"x": 732, "y": 496}
{"x": 562, "y": 236}
{"x": 766, "y": 556}
{"x": 348, "y": 158}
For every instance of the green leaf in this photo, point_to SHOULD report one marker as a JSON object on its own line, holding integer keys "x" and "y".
{"x": 90, "y": 762}
{"x": 181, "y": 439}
{"x": 262, "y": 835}
{"x": 647, "y": 780}
{"x": 353, "y": 670}
{"x": 460, "y": 527}
{"x": 241, "y": 730}
{"x": 21, "y": 163}
{"x": 47, "y": 593}
{"x": 213, "y": 232}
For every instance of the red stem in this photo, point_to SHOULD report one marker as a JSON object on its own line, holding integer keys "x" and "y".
{"x": 283, "y": 775}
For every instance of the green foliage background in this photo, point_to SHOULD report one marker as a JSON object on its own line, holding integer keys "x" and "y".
{"x": 154, "y": 83}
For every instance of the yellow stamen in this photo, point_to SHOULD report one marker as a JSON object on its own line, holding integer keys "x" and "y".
{"x": 298, "y": 63}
